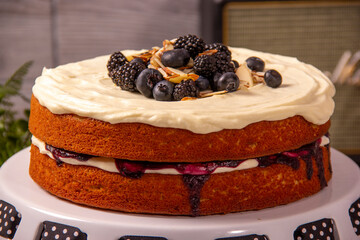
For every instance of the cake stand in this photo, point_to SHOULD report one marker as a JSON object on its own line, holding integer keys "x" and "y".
{"x": 29, "y": 212}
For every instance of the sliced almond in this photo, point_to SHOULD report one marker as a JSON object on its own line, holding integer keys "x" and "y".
{"x": 178, "y": 78}
{"x": 176, "y": 71}
{"x": 188, "y": 98}
{"x": 163, "y": 72}
{"x": 208, "y": 52}
{"x": 244, "y": 75}
{"x": 167, "y": 45}
{"x": 158, "y": 61}
{"x": 209, "y": 94}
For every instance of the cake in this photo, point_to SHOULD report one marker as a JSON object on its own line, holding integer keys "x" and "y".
{"x": 252, "y": 135}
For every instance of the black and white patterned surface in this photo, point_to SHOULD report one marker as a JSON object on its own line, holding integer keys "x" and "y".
{"x": 9, "y": 220}
{"x": 58, "y": 231}
{"x": 247, "y": 237}
{"x": 132, "y": 237}
{"x": 354, "y": 213}
{"x": 322, "y": 229}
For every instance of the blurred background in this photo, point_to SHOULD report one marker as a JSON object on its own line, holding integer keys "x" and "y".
{"x": 323, "y": 33}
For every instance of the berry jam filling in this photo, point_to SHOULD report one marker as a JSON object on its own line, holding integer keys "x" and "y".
{"x": 292, "y": 159}
{"x": 135, "y": 169}
{"x": 59, "y": 153}
{"x": 194, "y": 184}
{"x": 196, "y": 174}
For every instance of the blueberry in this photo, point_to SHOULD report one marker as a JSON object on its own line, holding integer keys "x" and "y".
{"x": 256, "y": 64}
{"x": 175, "y": 58}
{"x": 236, "y": 64}
{"x": 163, "y": 90}
{"x": 146, "y": 81}
{"x": 214, "y": 81}
{"x": 228, "y": 81}
{"x": 202, "y": 83}
{"x": 273, "y": 78}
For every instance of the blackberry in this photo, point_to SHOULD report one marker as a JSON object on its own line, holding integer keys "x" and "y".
{"x": 186, "y": 88}
{"x": 117, "y": 59}
{"x": 205, "y": 65}
{"x": 220, "y": 47}
{"x": 223, "y": 63}
{"x": 126, "y": 75}
{"x": 193, "y": 44}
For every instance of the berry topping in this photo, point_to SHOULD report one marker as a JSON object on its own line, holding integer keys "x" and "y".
{"x": 163, "y": 91}
{"x": 228, "y": 81}
{"x": 183, "y": 67}
{"x": 186, "y": 88}
{"x": 236, "y": 64}
{"x": 175, "y": 58}
{"x": 193, "y": 44}
{"x": 273, "y": 78}
{"x": 126, "y": 75}
{"x": 139, "y": 60}
{"x": 205, "y": 65}
{"x": 223, "y": 63}
{"x": 256, "y": 64}
{"x": 202, "y": 83}
{"x": 117, "y": 59}
{"x": 220, "y": 47}
{"x": 146, "y": 81}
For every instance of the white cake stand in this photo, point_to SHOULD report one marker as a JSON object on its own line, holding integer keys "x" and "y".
{"x": 37, "y": 206}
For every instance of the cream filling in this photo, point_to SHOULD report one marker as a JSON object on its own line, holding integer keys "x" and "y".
{"x": 84, "y": 88}
{"x": 108, "y": 164}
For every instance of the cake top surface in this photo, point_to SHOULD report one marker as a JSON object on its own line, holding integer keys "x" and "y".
{"x": 85, "y": 89}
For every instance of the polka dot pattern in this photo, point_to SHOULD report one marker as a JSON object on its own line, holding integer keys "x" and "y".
{"x": 322, "y": 229}
{"x": 9, "y": 220}
{"x": 354, "y": 213}
{"x": 247, "y": 237}
{"x": 55, "y": 231}
{"x": 128, "y": 237}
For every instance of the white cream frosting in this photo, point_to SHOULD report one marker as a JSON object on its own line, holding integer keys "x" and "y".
{"x": 84, "y": 88}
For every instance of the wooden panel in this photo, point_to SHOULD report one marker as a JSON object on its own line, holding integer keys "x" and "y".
{"x": 89, "y": 28}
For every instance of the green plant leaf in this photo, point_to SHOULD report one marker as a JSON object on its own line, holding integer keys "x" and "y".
{"x": 14, "y": 133}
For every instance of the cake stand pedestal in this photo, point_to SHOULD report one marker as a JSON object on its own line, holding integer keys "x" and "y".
{"x": 38, "y": 214}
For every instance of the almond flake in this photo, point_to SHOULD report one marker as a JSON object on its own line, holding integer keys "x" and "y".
{"x": 158, "y": 61}
{"x": 167, "y": 45}
{"x": 209, "y": 94}
{"x": 163, "y": 72}
{"x": 178, "y": 78}
{"x": 174, "y": 70}
{"x": 208, "y": 52}
{"x": 244, "y": 74}
{"x": 188, "y": 98}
